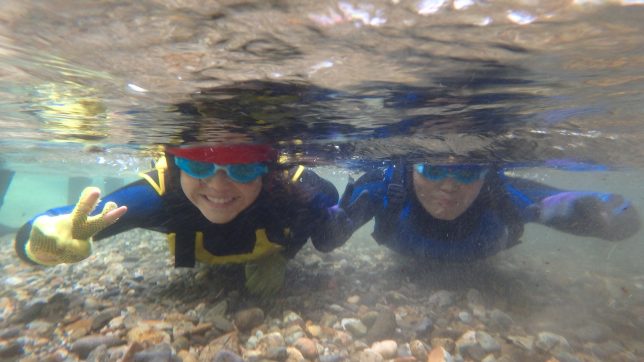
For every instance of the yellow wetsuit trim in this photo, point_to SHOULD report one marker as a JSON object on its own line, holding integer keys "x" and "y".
{"x": 172, "y": 243}
{"x": 297, "y": 173}
{"x": 161, "y": 166}
{"x": 263, "y": 248}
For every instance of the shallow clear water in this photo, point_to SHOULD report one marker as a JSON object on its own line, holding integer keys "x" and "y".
{"x": 93, "y": 90}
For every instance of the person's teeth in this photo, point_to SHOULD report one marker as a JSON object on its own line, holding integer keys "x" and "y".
{"x": 219, "y": 200}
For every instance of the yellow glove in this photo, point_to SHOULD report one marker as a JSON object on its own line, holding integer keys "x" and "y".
{"x": 67, "y": 238}
{"x": 265, "y": 277}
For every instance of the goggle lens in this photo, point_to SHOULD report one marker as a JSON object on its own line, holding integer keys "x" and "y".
{"x": 463, "y": 174}
{"x": 242, "y": 172}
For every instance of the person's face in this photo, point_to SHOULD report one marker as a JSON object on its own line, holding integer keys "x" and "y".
{"x": 218, "y": 197}
{"x": 445, "y": 198}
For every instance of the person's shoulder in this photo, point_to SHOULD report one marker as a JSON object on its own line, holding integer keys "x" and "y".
{"x": 376, "y": 175}
{"x": 160, "y": 177}
{"x": 299, "y": 184}
{"x": 297, "y": 174}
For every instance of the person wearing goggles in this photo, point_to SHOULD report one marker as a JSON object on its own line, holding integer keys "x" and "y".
{"x": 218, "y": 205}
{"x": 221, "y": 192}
{"x": 446, "y": 192}
{"x": 465, "y": 212}
{"x": 240, "y": 173}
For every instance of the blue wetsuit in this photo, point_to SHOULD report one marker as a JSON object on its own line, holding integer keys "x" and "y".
{"x": 492, "y": 223}
{"x": 279, "y": 220}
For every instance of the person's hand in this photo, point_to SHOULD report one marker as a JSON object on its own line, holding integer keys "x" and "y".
{"x": 341, "y": 220}
{"x": 265, "y": 277}
{"x": 359, "y": 209}
{"x": 605, "y": 215}
{"x": 67, "y": 238}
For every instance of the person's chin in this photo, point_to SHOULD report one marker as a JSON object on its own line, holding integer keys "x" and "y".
{"x": 221, "y": 218}
{"x": 443, "y": 214}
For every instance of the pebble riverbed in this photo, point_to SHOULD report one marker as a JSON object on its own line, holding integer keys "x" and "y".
{"x": 359, "y": 303}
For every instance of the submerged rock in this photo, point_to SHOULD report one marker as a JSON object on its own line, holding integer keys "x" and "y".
{"x": 354, "y": 326}
{"x": 31, "y": 311}
{"x": 9, "y": 350}
{"x": 226, "y": 356}
{"x": 307, "y": 347}
{"x": 383, "y": 327}
{"x": 247, "y": 319}
{"x": 387, "y": 349}
{"x": 442, "y": 298}
{"x": 487, "y": 342}
{"x": 552, "y": 343}
{"x": 439, "y": 354}
{"x": 524, "y": 342}
{"x": 228, "y": 342}
{"x": 85, "y": 345}
{"x": 158, "y": 353}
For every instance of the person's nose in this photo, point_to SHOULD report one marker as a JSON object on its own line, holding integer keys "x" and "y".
{"x": 220, "y": 178}
{"x": 449, "y": 184}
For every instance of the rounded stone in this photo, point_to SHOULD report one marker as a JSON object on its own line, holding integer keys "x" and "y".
{"x": 307, "y": 347}
{"x": 248, "y": 318}
{"x": 387, "y": 349}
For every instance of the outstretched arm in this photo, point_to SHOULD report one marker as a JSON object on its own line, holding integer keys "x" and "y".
{"x": 64, "y": 235}
{"x": 66, "y": 238}
{"x": 604, "y": 215}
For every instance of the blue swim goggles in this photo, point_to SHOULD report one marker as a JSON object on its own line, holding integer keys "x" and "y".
{"x": 241, "y": 172}
{"x": 465, "y": 174}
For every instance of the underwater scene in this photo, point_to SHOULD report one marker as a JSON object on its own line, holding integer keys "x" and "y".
{"x": 377, "y": 180}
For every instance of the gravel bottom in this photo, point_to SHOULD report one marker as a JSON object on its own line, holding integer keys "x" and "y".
{"x": 360, "y": 303}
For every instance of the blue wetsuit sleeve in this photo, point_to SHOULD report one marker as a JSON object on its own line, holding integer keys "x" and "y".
{"x": 142, "y": 201}
{"x": 526, "y": 193}
{"x": 586, "y": 213}
{"x": 143, "y": 205}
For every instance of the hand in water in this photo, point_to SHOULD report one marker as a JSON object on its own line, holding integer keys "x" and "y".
{"x": 67, "y": 238}
{"x": 604, "y": 215}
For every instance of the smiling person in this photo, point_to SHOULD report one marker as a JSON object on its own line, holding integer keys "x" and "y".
{"x": 218, "y": 205}
{"x": 465, "y": 212}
